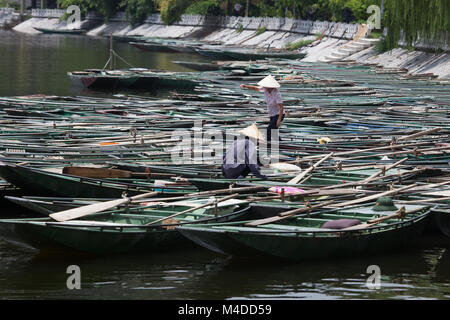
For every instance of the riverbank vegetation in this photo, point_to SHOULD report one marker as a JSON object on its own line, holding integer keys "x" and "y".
{"x": 171, "y": 10}
{"x": 414, "y": 20}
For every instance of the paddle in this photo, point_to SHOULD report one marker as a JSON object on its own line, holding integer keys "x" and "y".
{"x": 310, "y": 169}
{"x": 214, "y": 202}
{"x": 384, "y": 170}
{"x": 286, "y": 215}
{"x": 372, "y": 197}
{"x": 337, "y": 154}
{"x": 418, "y": 134}
{"x": 401, "y": 213}
{"x": 368, "y": 179}
{"x": 95, "y": 208}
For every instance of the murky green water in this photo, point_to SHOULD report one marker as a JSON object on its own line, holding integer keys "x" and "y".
{"x": 420, "y": 273}
{"x": 38, "y": 64}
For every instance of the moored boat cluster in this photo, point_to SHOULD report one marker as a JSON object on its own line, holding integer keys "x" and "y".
{"x": 362, "y": 165}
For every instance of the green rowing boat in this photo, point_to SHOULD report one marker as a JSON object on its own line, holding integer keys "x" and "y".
{"x": 60, "y": 31}
{"x": 146, "y": 229}
{"x": 307, "y": 237}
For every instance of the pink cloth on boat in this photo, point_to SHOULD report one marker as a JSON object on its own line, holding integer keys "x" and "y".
{"x": 287, "y": 190}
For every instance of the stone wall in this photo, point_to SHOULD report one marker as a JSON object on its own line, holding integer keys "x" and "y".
{"x": 304, "y": 27}
{"x": 6, "y": 17}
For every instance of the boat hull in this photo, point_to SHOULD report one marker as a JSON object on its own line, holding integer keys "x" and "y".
{"x": 61, "y": 31}
{"x": 300, "y": 248}
{"x": 103, "y": 82}
{"x": 37, "y": 183}
{"x": 96, "y": 241}
{"x": 42, "y": 233}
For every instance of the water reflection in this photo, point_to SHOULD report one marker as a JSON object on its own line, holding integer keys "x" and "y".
{"x": 420, "y": 273}
{"x": 38, "y": 64}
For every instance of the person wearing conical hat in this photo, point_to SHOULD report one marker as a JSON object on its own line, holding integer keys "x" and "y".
{"x": 241, "y": 157}
{"x": 272, "y": 97}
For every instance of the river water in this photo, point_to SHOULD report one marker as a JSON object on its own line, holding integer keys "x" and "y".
{"x": 38, "y": 65}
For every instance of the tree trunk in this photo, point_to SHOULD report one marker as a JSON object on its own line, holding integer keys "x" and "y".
{"x": 294, "y": 7}
{"x": 246, "y": 8}
{"x": 227, "y": 8}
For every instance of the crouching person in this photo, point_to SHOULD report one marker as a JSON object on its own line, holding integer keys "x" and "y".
{"x": 241, "y": 157}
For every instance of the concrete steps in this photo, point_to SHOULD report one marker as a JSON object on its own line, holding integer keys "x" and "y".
{"x": 349, "y": 49}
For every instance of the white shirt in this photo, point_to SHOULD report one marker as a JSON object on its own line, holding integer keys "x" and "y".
{"x": 273, "y": 100}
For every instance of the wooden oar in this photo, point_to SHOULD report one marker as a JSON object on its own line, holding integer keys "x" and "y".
{"x": 96, "y": 208}
{"x": 373, "y": 197}
{"x": 401, "y": 213}
{"x": 286, "y": 214}
{"x": 384, "y": 170}
{"x": 193, "y": 209}
{"x": 432, "y": 200}
{"x": 309, "y": 170}
{"x": 415, "y": 151}
{"x": 343, "y": 153}
{"x": 90, "y": 172}
{"x": 369, "y": 179}
{"x": 418, "y": 134}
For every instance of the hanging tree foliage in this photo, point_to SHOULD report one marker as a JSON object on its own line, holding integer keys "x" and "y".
{"x": 416, "y": 20}
{"x": 171, "y": 10}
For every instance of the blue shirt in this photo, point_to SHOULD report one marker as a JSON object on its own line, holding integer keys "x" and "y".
{"x": 241, "y": 159}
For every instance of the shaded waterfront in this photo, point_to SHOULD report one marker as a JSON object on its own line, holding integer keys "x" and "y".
{"x": 38, "y": 64}
{"x": 420, "y": 273}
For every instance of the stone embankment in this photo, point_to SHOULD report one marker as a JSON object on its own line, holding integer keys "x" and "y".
{"x": 8, "y": 18}
{"x": 332, "y": 42}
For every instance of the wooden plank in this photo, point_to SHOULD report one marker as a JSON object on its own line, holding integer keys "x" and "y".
{"x": 95, "y": 208}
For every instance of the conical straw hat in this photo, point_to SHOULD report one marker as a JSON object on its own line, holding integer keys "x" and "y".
{"x": 252, "y": 132}
{"x": 269, "y": 82}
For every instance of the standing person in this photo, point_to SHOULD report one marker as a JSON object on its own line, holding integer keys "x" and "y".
{"x": 274, "y": 102}
{"x": 241, "y": 157}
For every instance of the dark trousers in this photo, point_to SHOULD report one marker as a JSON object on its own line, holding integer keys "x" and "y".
{"x": 273, "y": 125}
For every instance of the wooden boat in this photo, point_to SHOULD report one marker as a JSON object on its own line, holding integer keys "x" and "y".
{"x": 247, "y": 54}
{"x": 35, "y": 182}
{"x": 146, "y": 229}
{"x": 102, "y": 79}
{"x": 152, "y": 47}
{"x": 302, "y": 237}
{"x": 134, "y": 78}
{"x": 47, "y": 205}
{"x": 198, "y": 66}
{"x": 60, "y": 31}
{"x": 254, "y": 55}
